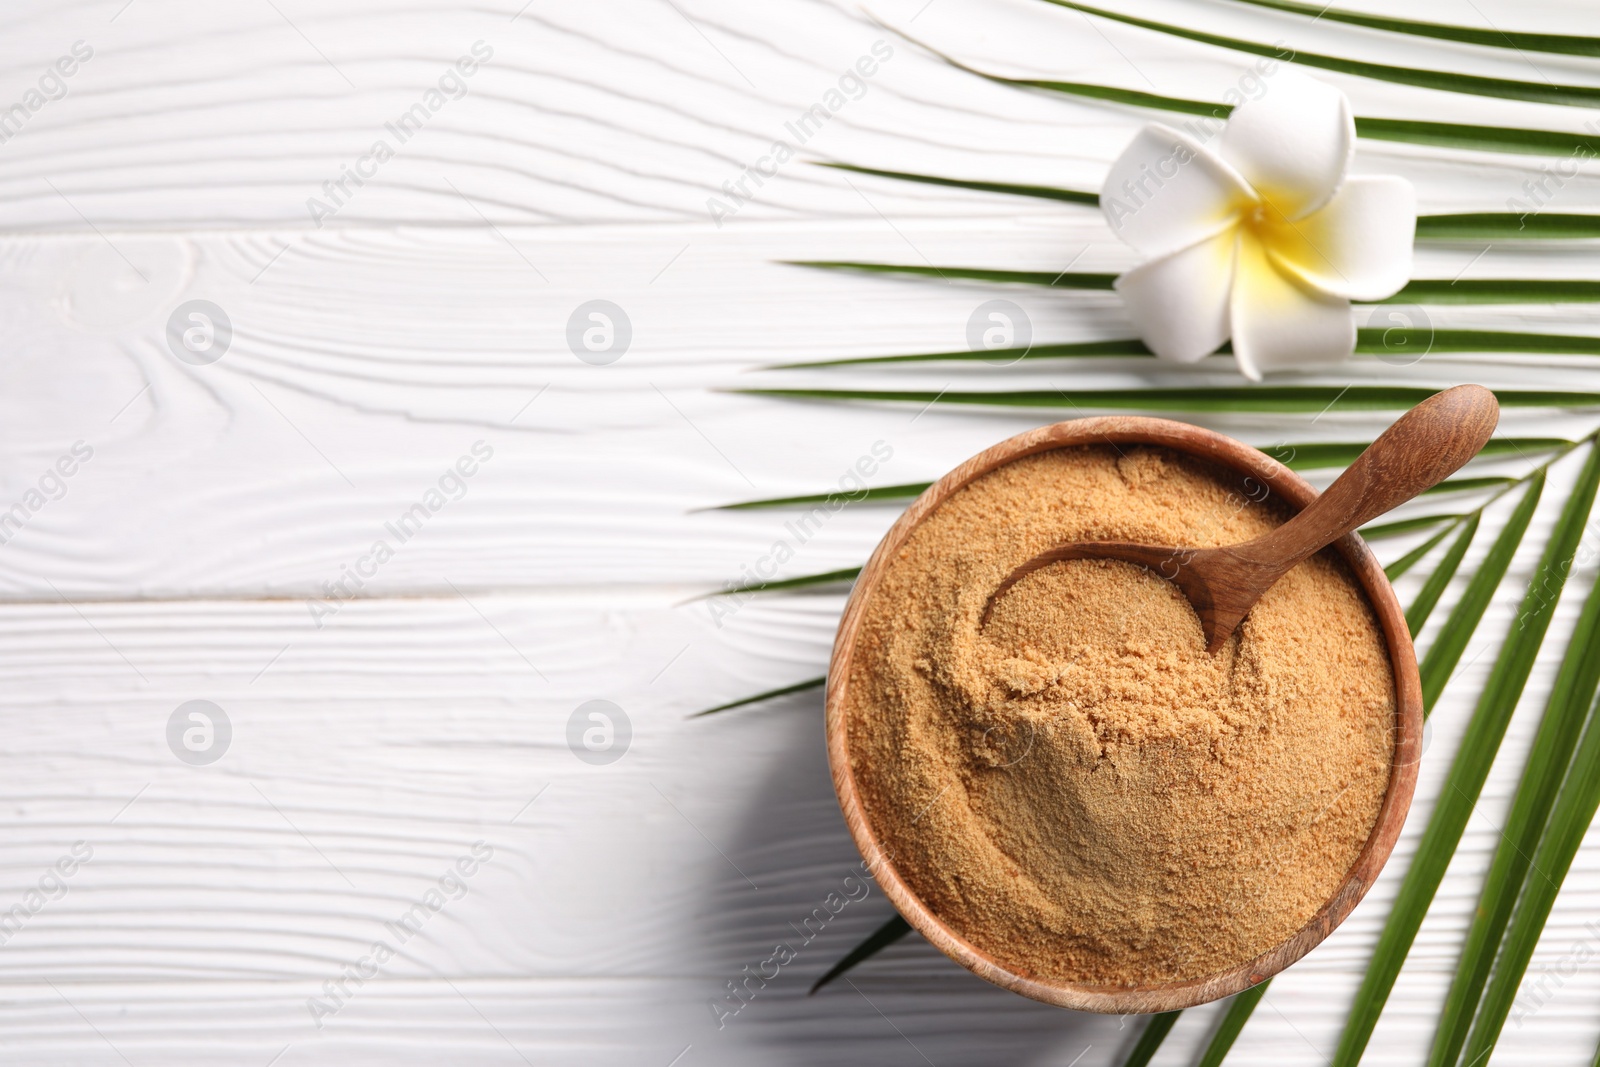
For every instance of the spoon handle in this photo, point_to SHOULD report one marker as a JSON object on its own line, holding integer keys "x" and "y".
{"x": 1424, "y": 447}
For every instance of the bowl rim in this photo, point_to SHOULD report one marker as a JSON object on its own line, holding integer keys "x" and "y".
{"x": 1171, "y": 996}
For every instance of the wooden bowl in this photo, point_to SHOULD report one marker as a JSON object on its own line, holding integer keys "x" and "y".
{"x": 1286, "y": 486}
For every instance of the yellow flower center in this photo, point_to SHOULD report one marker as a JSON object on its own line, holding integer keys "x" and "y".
{"x": 1293, "y": 242}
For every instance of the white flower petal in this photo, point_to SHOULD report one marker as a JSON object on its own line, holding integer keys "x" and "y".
{"x": 1179, "y": 302}
{"x": 1293, "y": 142}
{"x": 1278, "y": 323}
{"x": 1359, "y": 245}
{"x": 1165, "y": 192}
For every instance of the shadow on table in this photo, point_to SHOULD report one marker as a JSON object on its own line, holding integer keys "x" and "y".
{"x": 909, "y": 1004}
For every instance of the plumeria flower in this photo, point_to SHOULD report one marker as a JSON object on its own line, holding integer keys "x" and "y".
{"x": 1264, "y": 240}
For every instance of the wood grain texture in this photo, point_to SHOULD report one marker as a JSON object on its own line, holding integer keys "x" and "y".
{"x": 428, "y": 313}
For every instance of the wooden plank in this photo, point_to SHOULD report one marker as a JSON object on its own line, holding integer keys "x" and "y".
{"x": 363, "y": 368}
{"x": 364, "y": 764}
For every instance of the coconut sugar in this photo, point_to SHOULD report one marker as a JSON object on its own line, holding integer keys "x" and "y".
{"x": 1078, "y": 789}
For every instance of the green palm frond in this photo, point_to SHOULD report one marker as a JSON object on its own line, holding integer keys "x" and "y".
{"x": 1400, "y": 566}
{"x": 1370, "y": 341}
{"x": 1467, "y": 136}
{"x": 1059, "y": 280}
{"x": 1574, "y": 811}
{"x": 1559, "y": 43}
{"x": 992, "y": 356}
{"x": 1378, "y": 340}
{"x": 1524, "y": 447}
{"x": 1298, "y": 456}
{"x": 1432, "y": 589}
{"x": 1509, "y": 139}
{"x": 1240, "y": 1008}
{"x": 1440, "y": 661}
{"x": 1041, "y": 192}
{"x": 1449, "y": 81}
{"x": 1112, "y": 349}
{"x": 896, "y": 493}
{"x": 1470, "y": 485}
{"x": 1267, "y": 399}
{"x": 1417, "y": 291}
{"x": 1550, "y": 757}
{"x": 1325, "y": 455}
{"x": 803, "y": 581}
{"x": 1507, "y": 226}
{"x": 1481, "y": 742}
{"x": 1463, "y": 226}
{"x": 1379, "y": 530}
{"x": 770, "y": 694}
{"x": 1150, "y": 1038}
{"x": 1497, "y": 291}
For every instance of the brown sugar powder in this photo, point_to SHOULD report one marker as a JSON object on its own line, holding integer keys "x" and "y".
{"x": 1078, "y": 789}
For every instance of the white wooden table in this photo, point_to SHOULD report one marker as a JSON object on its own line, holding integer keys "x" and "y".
{"x": 386, "y": 728}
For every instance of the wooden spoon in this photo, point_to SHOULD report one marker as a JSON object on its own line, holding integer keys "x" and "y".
{"x": 1424, "y": 447}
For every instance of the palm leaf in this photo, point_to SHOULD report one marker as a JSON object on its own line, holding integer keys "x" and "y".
{"x": 1522, "y": 446}
{"x": 876, "y": 942}
{"x": 1476, "y": 138}
{"x": 1479, "y": 744}
{"x": 1155, "y": 1031}
{"x": 1379, "y": 530}
{"x": 770, "y": 694}
{"x": 844, "y": 574}
{"x": 1470, "y": 485}
{"x": 1043, "y": 192}
{"x": 1445, "y": 653}
{"x": 1491, "y": 38}
{"x": 1434, "y": 587}
{"x": 1227, "y": 1032}
{"x": 1003, "y": 356}
{"x": 1062, "y": 280}
{"x": 1409, "y": 131}
{"x": 1400, "y": 566}
{"x": 1468, "y": 226}
{"x": 1417, "y": 291}
{"x": 1379, "y": 339}
{"x": 1315, "y": 455}
{"x": 1574, "y": 810}
{"x": 1505, "y": 225}
{"x": 1274, "y": 399}
{"x": 1447, "y": 81}
{"x": 1370, "y": 340}
{"x": 1559, "y": 729}
{"x": 1496, "y": 291}
{"x": 882, "y": 492}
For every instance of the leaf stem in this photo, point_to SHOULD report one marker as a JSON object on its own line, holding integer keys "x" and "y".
{"x": 1150, "y": 1038}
